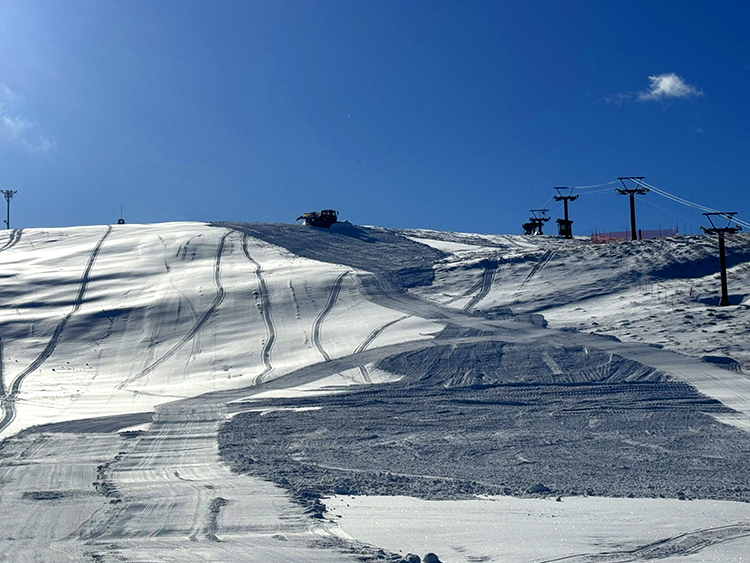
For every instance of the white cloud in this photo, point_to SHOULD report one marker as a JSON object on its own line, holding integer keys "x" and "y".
{"x": 6, "y": 94}
{"x": 665, "y": 86}
{"x": 18, "y": 130}
{"x": 15, "y": 126}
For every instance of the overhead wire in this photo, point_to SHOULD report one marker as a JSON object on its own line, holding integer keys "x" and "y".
{"x": 689, "y": 203}
{"x": 728, "y": 216}
{"x": 608, "y": 190}
{"x": 673, "y": 197}
{"x": 554, "y": 212}
{"x": 594, "y": 185}
{"x": 544, "y": 205}
{"x": 571, "y": 188}
{"x": 658, "y": 191}
{"x": 670, "y": 212}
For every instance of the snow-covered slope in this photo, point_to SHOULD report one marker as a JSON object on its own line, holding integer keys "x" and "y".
{"x": 112, "y": 320}
{"x": 661, "y": 291}
{"x": 358, "y": 359}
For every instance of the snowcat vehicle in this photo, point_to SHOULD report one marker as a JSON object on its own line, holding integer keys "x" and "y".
{"x": 325, "y": 218}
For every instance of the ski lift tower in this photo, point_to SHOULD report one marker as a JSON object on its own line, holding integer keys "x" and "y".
{"x": 721, "y": 231}
{"x": 640, "y": 190}
{"x": 565, "y": 226}
{"x": 536, "y": 222}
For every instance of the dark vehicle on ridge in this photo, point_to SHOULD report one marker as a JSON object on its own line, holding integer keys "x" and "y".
{"x": 325, "y": 218}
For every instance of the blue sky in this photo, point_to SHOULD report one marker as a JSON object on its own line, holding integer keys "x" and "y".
{"x": 445, "y": 115}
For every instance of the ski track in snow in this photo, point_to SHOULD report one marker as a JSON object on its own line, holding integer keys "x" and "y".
{"x": 207, "y": 314}
{"x": 13, "y": 239}
{"x": 9, "y": 399}
{"x": 365, "y": 373}
{"x": 538, "y": 267}
{"x": 265, "y": 310}
{"x": 15, "y": 236}
{"x": 678, "y": 546}
{"x": 369, "y": 340}
{"x": 196, "y": 344}
{"x": 375, "y": 333}
{"x": 318, "y": 322}
{"x": 2, "y": 381}
{"x": 165, "y": 496}
{"x": 196, "y": 347}
{"x": 485, "y": 283}
{"x": 477, "y": 286}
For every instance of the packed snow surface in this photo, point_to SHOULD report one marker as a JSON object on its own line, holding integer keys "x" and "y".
{"x": 510, "y": 530}
{"x": 106, "y": 321}
{"x": 139, "y": 363}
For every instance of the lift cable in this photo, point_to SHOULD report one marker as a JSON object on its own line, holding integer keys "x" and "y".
{"x": 597, "y": 192}
{"x": 688, "y": 203}
{"x": 671, "y": 213}
{"x": 585, "y": 193}
{"x": 595, "y": 185}
{"x": 675, "y": 198}
{"x": 546, "y": 202}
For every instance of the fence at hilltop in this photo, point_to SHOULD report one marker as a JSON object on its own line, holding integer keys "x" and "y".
{"x": 620, "y": 236}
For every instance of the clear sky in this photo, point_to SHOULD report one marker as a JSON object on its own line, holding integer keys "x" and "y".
{"x": 447, "y": 115}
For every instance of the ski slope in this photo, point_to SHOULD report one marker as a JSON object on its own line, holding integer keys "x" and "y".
{"x": 125, "y": 350}
{"x": 661, "y": 291}
{"x": 115, "y": 320}
{"x": 509, "y": 529}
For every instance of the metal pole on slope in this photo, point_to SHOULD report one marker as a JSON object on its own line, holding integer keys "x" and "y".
{"x": 8, "y": 196}
{"x": 721, "y": 231}
{"x": 565, "y": 226}
{"x": 640, "y": 190}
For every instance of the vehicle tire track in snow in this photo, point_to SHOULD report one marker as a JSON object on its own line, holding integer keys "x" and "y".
{"x": 537, "y": 269}
{"x": 681, "y": 545}
{"x": 488, "y": 277}
{"x": 317, "y": 323}
{"x": 199, "y": 323}
{"x": 15, "y": 236}
{"x": 9, "y": 397}
{"x": 265, "y": 310}
{"x": 369, "y": 340}
{"x": 373, "y": 289}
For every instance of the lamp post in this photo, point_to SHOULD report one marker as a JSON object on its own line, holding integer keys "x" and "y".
{"x": 8, "y": 196}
